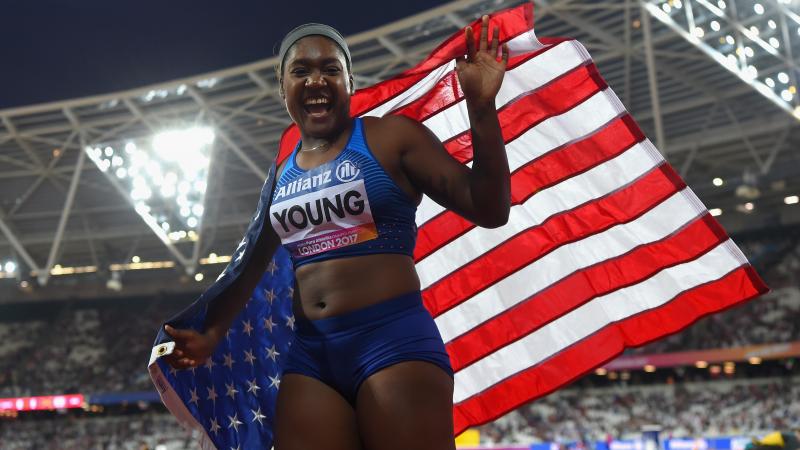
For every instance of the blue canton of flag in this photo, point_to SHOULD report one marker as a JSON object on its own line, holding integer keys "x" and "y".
{"x": 230, "y": 400}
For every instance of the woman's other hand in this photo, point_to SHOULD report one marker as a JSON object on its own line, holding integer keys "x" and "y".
{"x": 191, "y": 348}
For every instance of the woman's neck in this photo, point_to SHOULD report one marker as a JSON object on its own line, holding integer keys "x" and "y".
{"x": 336, "y": 139}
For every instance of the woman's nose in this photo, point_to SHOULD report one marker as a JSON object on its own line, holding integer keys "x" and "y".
{"x": 315, "y": 79}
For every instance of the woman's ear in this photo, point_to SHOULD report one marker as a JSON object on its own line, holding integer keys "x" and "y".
{"x": 352, "y": 85}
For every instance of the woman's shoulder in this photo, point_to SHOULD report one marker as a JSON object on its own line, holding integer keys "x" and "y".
{"x": 391, "y": 132}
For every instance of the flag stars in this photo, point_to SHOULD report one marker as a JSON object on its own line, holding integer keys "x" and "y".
{"x": 275, "y": 382}
{"x": 249, "y": 357}
{"x": 174, "y": 372}
{"x": 215, "y": 426}
{"x": 194, "y": 398}
{"x": 272, "y": 267}
{"x": 210, "y": 364}
{"x": 290, "y": 322}
{"x": 252, "y": 387}
{"x": 247, "y": 327}
{"x": 268, "y": 323}
{"x": 270, "y": 295}
{"x": 212, "y": 394}
{"x": 258, "y": 416}
{"x": 234, "y": 422}
{"x": 231, "y": 390}
{"x": 228, "y": 361}
{"x": 291, "y": 292}
{"x": 272, "y": 353}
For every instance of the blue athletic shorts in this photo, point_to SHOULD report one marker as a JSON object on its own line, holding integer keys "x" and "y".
{"x": 343, "y": 351}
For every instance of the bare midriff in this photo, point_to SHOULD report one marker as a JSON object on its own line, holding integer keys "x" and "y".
{"x": 337, "y": 286}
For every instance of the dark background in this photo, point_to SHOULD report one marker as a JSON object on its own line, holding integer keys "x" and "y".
{"x": 58, "y": 49}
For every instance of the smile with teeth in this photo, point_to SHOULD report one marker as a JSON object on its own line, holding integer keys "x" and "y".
{"x": 317, "y": 106}
{"x": 317, "y": 101}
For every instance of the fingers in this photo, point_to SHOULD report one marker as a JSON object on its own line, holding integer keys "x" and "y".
{"x": 470, "y": 37}
{"x": 495, "y": 42}
{"x": 178, "y": 334}
{"x": 505, "y": 54}
{"x": 484, "y": 33}
{"x": 181, "y": 363}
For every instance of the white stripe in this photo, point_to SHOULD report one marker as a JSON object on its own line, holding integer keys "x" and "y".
{"x": 529, "y": 76}
{"x": 547, "y": 136}
{"x": 524, "y": 43}
{"x": 416, "y": 91}
{"x": 591, "y": 317}
{"x": 570, "y": 193}
{"x": 669, "y": 216}
{"x": 176, "y": 405}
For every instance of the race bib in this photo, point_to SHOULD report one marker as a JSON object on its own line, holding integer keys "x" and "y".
{"x": 323, "y": 209}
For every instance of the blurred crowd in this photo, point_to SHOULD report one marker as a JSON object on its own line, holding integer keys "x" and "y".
{"x": 750, "y": 407}
{"x": 87, "y": 349}
{"x": 712, "y": 408}
{"x": 145, "y": 431}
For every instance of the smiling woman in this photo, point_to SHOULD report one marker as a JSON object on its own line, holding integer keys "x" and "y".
{"x": 367, "y": 367}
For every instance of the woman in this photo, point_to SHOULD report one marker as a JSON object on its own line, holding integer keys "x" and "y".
{"x": 368, "y": 368}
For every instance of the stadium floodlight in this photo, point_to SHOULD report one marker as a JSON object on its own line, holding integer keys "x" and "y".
{"x": 165, "y": 177}
{"x": 9, "y": 267}
{"x": 752, "y": 39}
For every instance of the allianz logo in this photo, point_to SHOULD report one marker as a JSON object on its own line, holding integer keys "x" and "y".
{"x": 345, "y": 171}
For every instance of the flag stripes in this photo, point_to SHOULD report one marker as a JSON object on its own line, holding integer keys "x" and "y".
{"x": 581, "y": 322}
{"x": 575, "y": 361}
{"x": 583, "y": 285}
{"x": 540, "y": 173}
{"x": 622, "y": 206}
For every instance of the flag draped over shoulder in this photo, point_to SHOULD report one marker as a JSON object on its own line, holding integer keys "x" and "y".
{"x": 605, "y": 248}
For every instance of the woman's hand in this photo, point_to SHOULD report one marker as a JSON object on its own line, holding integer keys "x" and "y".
{"x": 480, "y": 73}
{"x": 191, "y": 348}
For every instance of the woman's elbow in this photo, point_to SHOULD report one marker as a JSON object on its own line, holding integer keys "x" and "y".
{"x": 495, "y": 220}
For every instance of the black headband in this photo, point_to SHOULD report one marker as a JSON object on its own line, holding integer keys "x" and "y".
{"x": 313, "y": 29}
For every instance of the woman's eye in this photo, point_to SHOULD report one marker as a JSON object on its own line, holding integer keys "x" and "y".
{"x": 299, "y": 72}
{"x": 332, "y": 70}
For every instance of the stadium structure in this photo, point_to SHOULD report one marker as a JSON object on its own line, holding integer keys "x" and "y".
{"x": 100, "y": 216}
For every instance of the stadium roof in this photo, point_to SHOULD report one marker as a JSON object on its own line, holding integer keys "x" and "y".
{"x": 61, "y": 214}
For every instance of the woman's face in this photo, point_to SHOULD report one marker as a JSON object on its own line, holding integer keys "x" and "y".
{"x": 316, "y": 86}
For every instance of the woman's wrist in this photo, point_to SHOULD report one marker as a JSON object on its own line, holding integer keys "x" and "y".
{"x": 480, "y": 111}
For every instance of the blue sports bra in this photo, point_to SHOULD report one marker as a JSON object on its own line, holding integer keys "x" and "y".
{"x": 346, "y": 207}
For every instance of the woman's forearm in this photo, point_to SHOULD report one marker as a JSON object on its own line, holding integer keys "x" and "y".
{"x": 229, "y": 304}
{"x": 490, "y": 183}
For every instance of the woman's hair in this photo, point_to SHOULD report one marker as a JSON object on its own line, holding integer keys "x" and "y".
{"x": 311, "y": 29}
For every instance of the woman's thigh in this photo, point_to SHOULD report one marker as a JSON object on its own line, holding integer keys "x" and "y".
{"x": 311, "y": 415}
{"x": 408, "y": 405}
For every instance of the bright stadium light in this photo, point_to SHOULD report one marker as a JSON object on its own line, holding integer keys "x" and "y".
{"x": 753, "y": 42}
{"x": 9, "y": 267}
{"x": 165, "y": 176}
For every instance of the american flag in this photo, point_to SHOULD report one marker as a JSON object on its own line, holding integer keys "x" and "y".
{"x": 606, "y": 248}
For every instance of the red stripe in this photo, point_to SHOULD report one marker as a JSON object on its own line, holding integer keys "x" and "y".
{"x": 447, "y": 91}
{"x": 572, "y": 363}
{"x": 527, "y": 111}
{"x": 582, "y": 286}
{"x": 623, "y": 205}
{"x": 512, "y": 22}
{"x": 536, "y": 175}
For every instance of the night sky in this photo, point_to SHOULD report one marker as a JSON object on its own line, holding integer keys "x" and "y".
{"x": 54, "y": 50}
